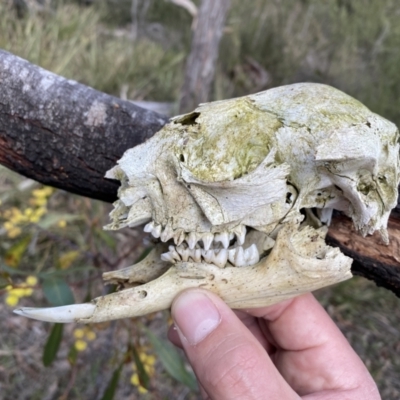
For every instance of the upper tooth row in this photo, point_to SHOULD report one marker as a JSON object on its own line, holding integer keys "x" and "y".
{"x": 192, "y": 238}
{"x": 236, "y": 256}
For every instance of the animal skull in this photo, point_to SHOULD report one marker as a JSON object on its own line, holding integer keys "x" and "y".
{"x": 239, "y": 193}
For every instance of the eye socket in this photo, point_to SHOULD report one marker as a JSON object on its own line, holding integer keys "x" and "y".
{"x": 182, "y": 158}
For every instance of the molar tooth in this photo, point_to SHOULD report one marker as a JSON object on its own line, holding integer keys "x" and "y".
{"x": 240, "y": 232}
{"x": 174, "y": 253}
{"x": 221, "y": 258}
{"x": 196, "y": 255}
{"x": 191, "y": 240}
{"x": 251, "y": 255}
{"x": 184, "y": 252}
{"x": 223, "y": 237}
{"x": 156, "y": 232}
{"x": 179, "y": 237}
{"x": 207, "y": 240}
{"x": 208, "y": 255}
{"x": 239, "y": 257}
{"x": 168, "y": 257}
{"x": 166, "y": 234}
{"x": 231, "y": 255}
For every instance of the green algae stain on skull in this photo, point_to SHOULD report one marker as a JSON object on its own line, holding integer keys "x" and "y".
{"x": 225, "y": 140}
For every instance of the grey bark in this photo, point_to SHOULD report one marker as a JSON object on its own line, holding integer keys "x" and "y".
{"x": 201, "y": 63}
{"x": 65, "y": 134}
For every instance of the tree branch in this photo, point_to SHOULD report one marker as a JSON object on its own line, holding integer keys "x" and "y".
{"x": 372, "y": 259}
{"x": 200, "y": 68}
{"x": 65, "y": 134}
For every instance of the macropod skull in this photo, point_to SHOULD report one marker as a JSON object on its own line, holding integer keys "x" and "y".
{"x": 239, "y": 193}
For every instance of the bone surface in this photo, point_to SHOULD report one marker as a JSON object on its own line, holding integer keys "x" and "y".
{"x": 238, "y": 195}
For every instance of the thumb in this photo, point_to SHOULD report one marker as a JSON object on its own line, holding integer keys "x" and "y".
{"x": 227, "y": 359}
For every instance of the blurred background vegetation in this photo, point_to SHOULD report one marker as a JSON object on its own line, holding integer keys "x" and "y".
{"x": 52, "y": 246}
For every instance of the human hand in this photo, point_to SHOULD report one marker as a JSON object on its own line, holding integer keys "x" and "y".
{"x": 291, "y": 350}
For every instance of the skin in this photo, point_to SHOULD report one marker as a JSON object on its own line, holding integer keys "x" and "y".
{"x": 291, "y": 350}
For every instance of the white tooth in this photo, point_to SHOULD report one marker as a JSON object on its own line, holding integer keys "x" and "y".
{"x": 191, "y": 240}
{"x": 223, "y": 238}
{"x": 180, "y": 249}
{"x": 231, "y": 236}
{"x": 231, "y": 255}
{"x": 196, "y": 255}
{"x": 168, "y": 257}
{"x": 251, "y": 255}
{"x": 208, "y": 255}
{"x": 239, "y": 257}
{"x": 240, "y": 232}
{"x": 156, "y": 232}
{"x": 221, "y": 258}
{"x": 174, "y": 253}
{"x": 184, "y": 252}
{"x": 179, "y": 237}
{"x": 207, "y": 240}
{"x": 61, "y": 314}
{"x": 166, "y": 234}
{"x": 149, "y": 227}
{"x": 186, "y": 255}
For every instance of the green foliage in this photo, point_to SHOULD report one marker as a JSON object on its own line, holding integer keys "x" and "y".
{"x": 140, "y": 368}
{"x": 57, "y": 291}
{"x": 172, "y": 361}
{"x": 52, "y": 344}
{"x": 112, "y": 386}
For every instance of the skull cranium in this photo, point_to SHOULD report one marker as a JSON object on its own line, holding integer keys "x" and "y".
{"x": 228, "y": 186}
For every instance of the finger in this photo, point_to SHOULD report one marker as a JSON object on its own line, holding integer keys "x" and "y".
{"x": 253, "y": 325}
{"x": 228, "y": 361}
{"x": 313, "y": 355}
{"x": 173, "y": 336}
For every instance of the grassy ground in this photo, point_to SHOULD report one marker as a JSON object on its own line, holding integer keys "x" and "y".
{"x": 351, "y": 45}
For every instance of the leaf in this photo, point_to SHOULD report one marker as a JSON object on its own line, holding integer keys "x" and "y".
{"x": 52, "y": 344}
{"x": 72, "y": 355}
{"x": 106, "y": 238}
{"x": 15, "y": 252}
{"x": 12, "y": 271}
{"x": 171, "y": 360}
{"x": 112, "y": 386}
{"x": 143, "y": 376}
{"x": 66, "y": 259}
{"x": 57, "y": 291}
{"x": 52, "y": 218}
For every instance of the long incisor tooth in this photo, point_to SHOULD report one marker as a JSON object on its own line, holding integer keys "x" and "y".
{"x": 223, "y": 238}
{"x": 251, "y": 255}
{"x": 191, "y": 240}
{"x": 221, "y": 258}
{"x": 207, "y": 240}
{"x": 240, "y": 232}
